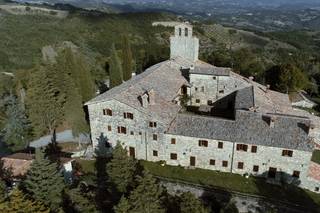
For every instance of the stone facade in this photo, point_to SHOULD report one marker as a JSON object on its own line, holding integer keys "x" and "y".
{"x": 209, "y": 88}
{"x": 183, "y": 44}
{"x": 265, "y": 137}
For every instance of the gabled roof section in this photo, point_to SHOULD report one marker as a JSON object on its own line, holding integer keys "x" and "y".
{"x": 203, "y": 68}
{"x": 249, "y": 128}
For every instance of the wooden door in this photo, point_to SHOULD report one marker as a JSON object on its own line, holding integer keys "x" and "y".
{"x": 132, "y": 152}
{"x": 192, "y": 161}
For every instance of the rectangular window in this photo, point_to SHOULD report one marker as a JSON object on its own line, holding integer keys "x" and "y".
{"x": 197, "y": 101}
{"x": 186, "y": 32}
{"x": 221, "y": 91}
{"x": 173, "y": 156}
{"x": 203, "y": 143}
{"x": 155, "y": 153}
{"x": 196, "y": 89}
{"x": 254, "y": 149}
{"x": 131, "y": 133}
{"x": 256, "y": 168}
{"x": 214, "y": 78}
{"x": 225, "y": 163}
{"x": 122, "y": 130}
{"x": 240, "y": 165}
{"x": 155, "y": 137}
{"x": 173, "y": 141}
{"x": 220, "y": 145}
{"x": 296, "y": 174}
{"x": 107, "y": 112}
{"x": 128, "y": 115}
{"x": 242, "y": 147}
{"x": 316, "y": 189}
{"x": 202, "y": 89}
{"x": 209, "y": 102}
{"x": 212, "y": 162}
{"x": 152, "y": 124}
{"x": 109, "y": 128}
{"x": 287, "y": 153}
{"x": 140, "y": 133}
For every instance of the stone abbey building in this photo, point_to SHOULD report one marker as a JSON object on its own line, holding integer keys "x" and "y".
{"x": 186, "y": 112}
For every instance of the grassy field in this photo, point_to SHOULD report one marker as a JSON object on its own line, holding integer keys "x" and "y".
{"x": 225, "y": 181}
{"x": 234, "y": 182}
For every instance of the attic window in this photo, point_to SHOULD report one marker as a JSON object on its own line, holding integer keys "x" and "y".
{"x": 152, "y": 124}
{"x": 107, "y": 112}
{"x": 128, "y": 115}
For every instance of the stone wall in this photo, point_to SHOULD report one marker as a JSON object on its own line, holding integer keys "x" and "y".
{"x": 211, "y": 88}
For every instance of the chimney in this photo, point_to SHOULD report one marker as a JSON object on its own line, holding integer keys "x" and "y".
{"x": 152, "y": 98}
{"x": 251, "y": 78}
{"x": 267, "y": 87}
{"x": 144, "y": 100}
{"x": 191, "y": 67}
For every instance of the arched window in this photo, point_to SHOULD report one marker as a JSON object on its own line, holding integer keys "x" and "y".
{"x": 186, "y": 32}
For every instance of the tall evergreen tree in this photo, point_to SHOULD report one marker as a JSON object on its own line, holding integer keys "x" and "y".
{"x": 17, "y": 129}
{"x": 115, "y": 70}
{"x": 121, "y": 169}
{"x": 148, "y": 196}
{"x": 123, "y": 206}
{"x": 126, "y": 58}
{"x": 18, "y": 203}
{"x": 44, "y": 182}
{"x": 43, "y": 101}
{"x": 189, "y": 203}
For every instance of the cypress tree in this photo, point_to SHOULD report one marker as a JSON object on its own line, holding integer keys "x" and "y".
{"x": 43, "y": 101}
{"x": 148, "y": 196}
{"x": 126, "y": 58}
{"x": 189, "y": 203}
{"x": 121, "y": 169}
{"x": 115, "y": 71}
{"x": 18, "y": 203}
{"x": 44, "y": 182}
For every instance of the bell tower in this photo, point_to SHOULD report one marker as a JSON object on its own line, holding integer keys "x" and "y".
{"x": 183, "y": 43}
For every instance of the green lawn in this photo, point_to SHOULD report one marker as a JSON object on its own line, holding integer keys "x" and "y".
{"x": 225, "y": 181}
{"x": 234, "y": 182}
{"x": 316, "y": 156}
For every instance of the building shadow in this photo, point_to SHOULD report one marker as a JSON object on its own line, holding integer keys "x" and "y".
{"x": 282, "y": 189}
